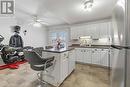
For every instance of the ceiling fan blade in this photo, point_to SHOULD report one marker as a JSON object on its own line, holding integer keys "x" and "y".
{"x": 29, "y": 20}
{"x": 44, "y": 23}
{"x": 40, "y": 21}
{"x": 30, "y": 23}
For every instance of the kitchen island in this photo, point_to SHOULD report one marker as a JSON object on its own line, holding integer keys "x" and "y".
{"x": 63, "y": 66}
{"x": 53, "y": 50}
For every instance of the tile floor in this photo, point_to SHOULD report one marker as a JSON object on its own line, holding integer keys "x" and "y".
{"x": 83, "y": 76}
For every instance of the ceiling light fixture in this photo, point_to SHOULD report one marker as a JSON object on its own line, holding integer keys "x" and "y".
{"x": 88, "y": 4}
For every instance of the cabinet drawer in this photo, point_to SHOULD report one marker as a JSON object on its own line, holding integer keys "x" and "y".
{"x": 65, "y": 55}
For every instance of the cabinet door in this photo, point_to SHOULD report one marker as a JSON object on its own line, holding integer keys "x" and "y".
{"x": 71, "y": 61}
{"x": 77, "y": 32}
{"x": 88, "y": 31}
{"x": 109, "y": 29}
{"x": 95, "y": 31}
{"x": 88, "y": 56}
{"x": 111, "y": 57}
{"x": 64, "y": 68}
{"x": 64, "y": 65}
{"x": 96, "y": 56}
{"x": 104, "y": 30}
{"x": 104, "y": 57}
{"x": 74, "y": 33}
{"x": 81, "y": 31}
{"x": 79, "y": 55}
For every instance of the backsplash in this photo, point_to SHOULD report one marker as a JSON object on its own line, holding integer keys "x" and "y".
{"x": 101, "y": 41}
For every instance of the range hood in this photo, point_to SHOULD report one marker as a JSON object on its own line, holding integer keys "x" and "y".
{"x": 85, "y": 37}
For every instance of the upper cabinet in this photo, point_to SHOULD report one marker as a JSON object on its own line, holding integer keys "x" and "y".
{"x": 103, "y": 27}
{"x": 97, "y": 30}
{"x": 74, "y": 32}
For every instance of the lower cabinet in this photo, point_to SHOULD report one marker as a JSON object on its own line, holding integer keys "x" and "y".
{"x": 83, "y": 55}
{"x": 79, "y": 55}
{"x": 71, "y": 61}
{"x": 93, "y": 56}
{"x": 96, "y": 56}
{"x": 87, "y": 54}
{"x": 104, "y": 57}
{"x": 64, "y": 65}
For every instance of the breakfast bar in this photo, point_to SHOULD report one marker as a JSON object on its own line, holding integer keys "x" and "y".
{"x": 64, "y": 64}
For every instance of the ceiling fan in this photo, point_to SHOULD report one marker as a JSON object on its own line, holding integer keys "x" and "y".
{"x": 35, "y": 21}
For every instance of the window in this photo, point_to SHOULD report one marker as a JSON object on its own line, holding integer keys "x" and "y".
{"x": 58, "y": 36}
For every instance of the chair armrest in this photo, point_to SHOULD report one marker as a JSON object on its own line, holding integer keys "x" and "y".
{"x": 48, "y": 60}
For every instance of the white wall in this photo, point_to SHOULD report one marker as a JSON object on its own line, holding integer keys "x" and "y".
{"x": 35, "y": 37}
{"x": 5, "y": 28}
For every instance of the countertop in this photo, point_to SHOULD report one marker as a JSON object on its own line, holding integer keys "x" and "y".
{"x": 53, "y": 50}
{"x": 92, "y": 46}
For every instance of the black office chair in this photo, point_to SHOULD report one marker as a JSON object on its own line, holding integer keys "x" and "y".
{"x": 38, "y": 63}
{"x": 39, "y": 50}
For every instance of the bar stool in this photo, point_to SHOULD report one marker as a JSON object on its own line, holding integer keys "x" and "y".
{"x": 38, "y": 63}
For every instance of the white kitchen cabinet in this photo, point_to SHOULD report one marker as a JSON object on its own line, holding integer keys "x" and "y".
{"x": 104, "y": 30}
{"x": 62, "y": 68}
{"x": 110, "y": 29}
{"x": 88, "y": 31}
{"x": 97, "y": 30}
{"x": 87, "y": 56}
{"x": 74, "y": 33}
{"x": 77, "y": 32}
{"x": 93, "y": 56}
{"x": 64, "y": 65}
{"x": 100, "y": 57}
{"x": 83, "y": 55}
{"x": 110, "y": 32}
{"x": 104, "y": 59}
{"x": 111, "y": 57}
{"x": 96, "y": 56}
{"x": 71, "y": 61}
{"x": 79, "y": 55}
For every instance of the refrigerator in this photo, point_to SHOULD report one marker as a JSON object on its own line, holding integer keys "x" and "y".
{"x": 121, "y": 44}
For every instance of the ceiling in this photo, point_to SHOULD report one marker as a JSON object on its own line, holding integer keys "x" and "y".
{"x": 57, "y": 12}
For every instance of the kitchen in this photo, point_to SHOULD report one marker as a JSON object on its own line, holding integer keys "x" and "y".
{"x": 80, "y": 37}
